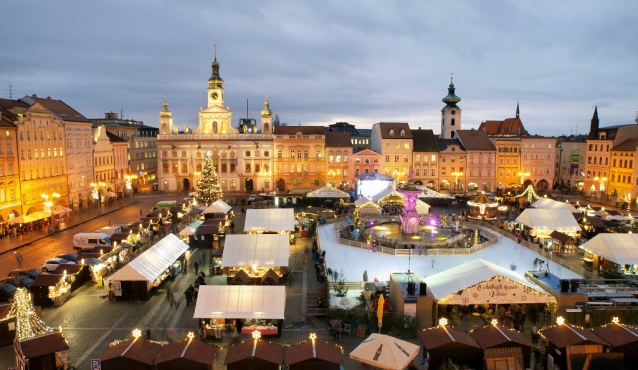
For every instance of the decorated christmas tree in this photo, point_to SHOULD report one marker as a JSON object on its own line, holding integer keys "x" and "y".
{"x": 28, "y": 324}
{"x": 208, "y": 187}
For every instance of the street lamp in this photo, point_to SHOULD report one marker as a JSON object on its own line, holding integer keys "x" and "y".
{"x": 601, "y": 183}
{"x": 129, "y": 184}
{"x": 523, "y": 175}
{"x": 47, "y": 204}
{"x": 96, "y": 194}
{"x": 456, "y": 178}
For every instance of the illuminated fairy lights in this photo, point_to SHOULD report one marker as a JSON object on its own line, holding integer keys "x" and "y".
{"x": 28, "y": 324}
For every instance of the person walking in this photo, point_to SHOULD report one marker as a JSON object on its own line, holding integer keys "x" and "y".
{"x": 185, "y": 266}
{"x": 189, "y": 295}
{"x": 432, "y": 262}
{"x": 140, "y": 212}
{"x": 196, "y": 265}
{"x": 147, "y": 334}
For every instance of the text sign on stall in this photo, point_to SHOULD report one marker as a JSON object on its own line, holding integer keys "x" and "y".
{"x": 498, "y": 290}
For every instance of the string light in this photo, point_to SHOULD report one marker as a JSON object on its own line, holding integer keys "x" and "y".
{"x": 560, "y": 320}
{"x": 531, "y": 195}
{"x": 137, "y": 333}
{"x": 27, "y": 321}
{"x": 442, "y": 321}
{"x": 208, "y": 187}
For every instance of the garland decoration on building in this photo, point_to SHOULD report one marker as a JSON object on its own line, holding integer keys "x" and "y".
{"x": 208, "y": 187}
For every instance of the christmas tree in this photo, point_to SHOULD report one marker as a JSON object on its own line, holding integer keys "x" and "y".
{"x": 27, "y": 321}
{"x": 208, "y": 188}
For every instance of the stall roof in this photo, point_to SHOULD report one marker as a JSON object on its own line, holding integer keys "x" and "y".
{"x": 361, "y": 201}
{"x": 595, "y": 221}
{"x": 192, "y": 350}
{"x": 617, "y": 334}
{"x": 277, "y": 219}
{"x": 256, "y": 249}
{"x": 119, "y": 237}
{"x": 620, "y": 248}
{"x": 267, "y": 351}
{"x": 385, "y": 352}
{"x": 563, "y": 238}
{"x": 383, "y": 193}
{"x": 187, "y": 230}
{"x": 152, "y": 263}
{"x": 494, "y": 336}
{"x": 302, "y": 351}
{"x": 139, "y": 350}
{"x": 46, "y": 280}
{"x": 43, "y": 345}
{"x": 474, "y": 282}
{"x": 327, "y": 192}
{"x": 218, "y": 206}
{"x": 240, "y": 302}
{"x": 546, "y": 203}
{"x": 567, "y": 335}
{"x": 439, "y": 336}
{"x": 549, "y": 219}
{"x": 70, "y": 269}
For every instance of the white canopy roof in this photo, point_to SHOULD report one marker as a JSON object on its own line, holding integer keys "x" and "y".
{"x": 327, "y": 192}
{"x": 382, "y": 193}
{"x": 256, "y": 249}
{"x": 620, "y": 248}
{"x": 546, "y": 203}
{"x": 385, "y": 352}
{"x": 218, "y": 206}
{"x": 240, "y": 302}
{"x": 422, "y": 208}
{"x": 361, "y": 201}
{"x": 187, "y": 231}
{"x": 149, "y": 265}
{"x": 479, "y": 282}
{"x": 549, "y": 219}
{"x": 277, "y": 219}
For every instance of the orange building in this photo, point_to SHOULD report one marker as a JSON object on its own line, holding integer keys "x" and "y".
{"x": 10, "y": 202}
{"x": 366, "y": 161}
{"x": 299, "y": 162}
{"x": 338, "y": 153}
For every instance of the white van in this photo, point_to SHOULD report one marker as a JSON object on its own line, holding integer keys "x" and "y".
{"x": 89, "y": 241}
{"x": 110, "y": 230}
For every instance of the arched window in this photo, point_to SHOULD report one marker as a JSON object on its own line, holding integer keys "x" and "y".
{"x": 391, "y": 132}
{"x": 215, "y": 127}
{"x": 453, "y": 121}
{"x": 452, "y": 135}
{"x": 183, "y": 154}
{"x": 266, "y": 128}
{"x": 402, "y": 132}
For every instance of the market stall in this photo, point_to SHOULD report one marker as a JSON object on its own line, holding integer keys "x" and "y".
{"x": 499, "y": 341}
{"x": 188, "y": 354}
{"x": 208, "y": 235}
{"x": 76, "y": 275}
{"x": 422, "y": 208}
{"x": 254, "y": 355}
{"x": 48, "y": 290}
{"x": 135, "y": 280}
{"x": 270, "y": 221}
{"x": 385, "y": 352}
{"x": 40, "y": 352}
{"x": 252, "y": 307}
{"x": 443, "y": 342}
{"x": 218, "y": 206}
{"x": 366, "y": 206}
{"x": 256, "y": 255}
{"x": 622, "y": 338}
{"x": 541, "y": 222}
{"x": 371, "y": 184}
{"x": 314, "y": 354}
{"x": 216, "y": 261}
{"x": 327, "y": 192}
{"x": 132, "y": 354}
{"x": 547, "y": 203}
{"x": 564, "y": 341}
{"x": 7, "y": 325}
{"x": 615, "y": 252}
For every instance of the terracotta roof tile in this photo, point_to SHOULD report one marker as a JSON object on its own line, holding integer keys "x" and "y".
{"x": 338, "y": 139}
{"x": 270, "y": 352}
{"x": 305, "y": 130}
{"x": 303, "y": 351}
{"x": 475, "y": 140}
{"x": 59, "y": 108}
{"x": 197, "y": 352}
{"x": 43, "y": 345}
{"x": 507, "y": 127}
{"x": 386, "y": 127}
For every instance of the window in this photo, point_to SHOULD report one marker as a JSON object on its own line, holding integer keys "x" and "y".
{"x": 396, "y": 146}
{"x": 257, "y": 168}
{"x": 318, "y": 169}
{"x": 184, "y": 167}
{"x": 29, "y": 153}
{"x": 9, "y": 150}
{"x": 345, "y": 159}
{"x": 396, "y": 158}
{"x": 10, "y": 169}
{"x": 391, "y": 133}
{"x": 233, "y": 184}
{"x": 433, "y": 173}
{"x": 387, "y": 145}
{"x": 331, "y": 159}
{"x": 280, "y": 154}
{"x": 247, "y": 153}
{"x": 406, "y": 158}
{"x": 266, "y": 184}
{"x": 387, "y": 158}
{"x": 406, "y": 145}
{"x": 453, "y": 121}
{"x": 417, "y": 172}
{"x": 402, "y": 132}
{"x": 305, "y": 153}
{"x": 224, "y": 167}
{"x": 232, "y": 168}
{"x": 35, "y": 152}
{"x": 442, "y": 170}
{"x": 318, "y": 153}
{"x": 606, "y": 161}
{"x": 338, "y": 158}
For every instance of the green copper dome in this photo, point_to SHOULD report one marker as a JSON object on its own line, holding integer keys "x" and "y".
{"x": 451, "y": 98}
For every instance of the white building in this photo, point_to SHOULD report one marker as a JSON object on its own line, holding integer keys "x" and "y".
{"x": 103, "y": 164}
{"x": 538, "y": 159}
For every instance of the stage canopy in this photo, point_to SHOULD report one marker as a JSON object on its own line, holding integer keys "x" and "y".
{"x": 264, "y": 250}
{"x": 620, "y": 248}
{"x": 149, "y": 265}
{"x": 277, "y": 219}
{"x": 480, "y": 282}
{"x": 240, "y": 302}
{"x": 218, "y": 206}
{"x": 546, "y": 203}
{"x": 385, "y": 352}
{"x": 549, "y": 219}
{"x": 327, "y": 192}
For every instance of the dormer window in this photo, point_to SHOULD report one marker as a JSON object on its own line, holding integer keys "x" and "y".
{"x": 391, "y": 132}
{"x": 602, "y": 136}
{"x": 402, "y": 132}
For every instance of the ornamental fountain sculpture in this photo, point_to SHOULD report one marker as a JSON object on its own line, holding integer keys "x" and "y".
{"x": 410, "y": 219}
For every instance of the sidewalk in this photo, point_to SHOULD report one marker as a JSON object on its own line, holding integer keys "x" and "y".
{"x": 77, "y": 217}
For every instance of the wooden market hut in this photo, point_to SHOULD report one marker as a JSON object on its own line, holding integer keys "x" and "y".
{"x": 39, "y": 289}
{"x": 564, "y": 240}
{"x": 39, "y": 352}
{"x": 270, "y": 278}
{"x": 566, "y": 340}
{"x": 327, "y": 356}
{"x": 7, "y": 326}
{"x": 502, "y": 342}
{"x": 268, "y": 356}
{"x": 77, "y": 275}
{"x": 623, "y": 339}
{"x": 445, "y": 342}
{"x": 132, "y": 354}
{"x": 208, "y": 235}
{"x": 186, "y": 354}
{"x": 240, "y": 278}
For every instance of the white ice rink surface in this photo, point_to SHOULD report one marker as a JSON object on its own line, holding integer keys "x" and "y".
{"x": 354, "y": 261}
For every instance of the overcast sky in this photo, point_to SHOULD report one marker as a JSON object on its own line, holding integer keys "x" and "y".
{"x": 326, "y": 61}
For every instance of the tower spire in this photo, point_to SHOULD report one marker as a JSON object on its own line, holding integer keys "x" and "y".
{"x": 215, "y": 52}
{"x": 593, "y": 127}
{"x": 518, "y": 110}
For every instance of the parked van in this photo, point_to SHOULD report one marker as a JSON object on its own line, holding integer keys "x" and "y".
{"x": 110, "y": 230}
{"x": 89, "y": 241}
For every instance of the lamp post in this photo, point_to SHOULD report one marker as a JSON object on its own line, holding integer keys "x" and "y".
{"x": 456, "y": 178}
{"x": 129, "y": 184}
{"x": 47, "y": 204}
{"x": 97, "y": 195}
{"x": 601, "y": 184}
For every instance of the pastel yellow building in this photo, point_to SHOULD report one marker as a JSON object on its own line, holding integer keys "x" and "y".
{"x": 299, "y": 162}
{"x": 338, "y": 160}
{"x": 394, "y": 141}
{"x": 10, "y": 202}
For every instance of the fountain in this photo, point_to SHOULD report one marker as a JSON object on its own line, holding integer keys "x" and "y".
{"x": 410, "y": 219}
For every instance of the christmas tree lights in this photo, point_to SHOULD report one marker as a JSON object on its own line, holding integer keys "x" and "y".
{"x": 27, "y": 321}
{"x": 208, "y": 187}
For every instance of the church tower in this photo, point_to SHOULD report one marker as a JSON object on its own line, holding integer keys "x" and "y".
{"x": 266, "y": 118}
{"x": 593, "y": 126}
{"x": 215, "y": 86}
{"x": 166, "y": 120}
{"x": 450, "y": 114}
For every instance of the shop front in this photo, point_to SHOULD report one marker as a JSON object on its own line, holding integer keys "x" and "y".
{"x": 242, "y": 308}
{"x": 49, "y": 290}
{"x": 540, "y": 223}
{"x": 614, "y": 254}
{"x": 264, "y": 258}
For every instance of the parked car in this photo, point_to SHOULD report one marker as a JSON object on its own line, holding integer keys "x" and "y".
{"x": 7, "y": 291}
{"x": 21, "y": 277}
{"x": 53, "y": 263}
{"x": 68, "y": 256}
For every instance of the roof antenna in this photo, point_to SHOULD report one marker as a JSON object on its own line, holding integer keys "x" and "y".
{"x": 246, "y": 108}
{"x": 215, "y": 46}
{"x": 451, "y": 78}
{"x": 10, "y": 93}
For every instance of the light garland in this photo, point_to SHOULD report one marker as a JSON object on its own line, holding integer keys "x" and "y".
{"x": 27, "y": 321}
{"x": 531, "y": 194}
{"x": 208, "y": 187}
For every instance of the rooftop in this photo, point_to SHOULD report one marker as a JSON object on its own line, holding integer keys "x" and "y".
{"x": 338, "y": 139}
{"x": 424, "y": 141}
{"x": 392, "y": 130}
{"x": 305, "y": 130}
{"x": 58, "y": 108}
{"x": 475, "y": 140}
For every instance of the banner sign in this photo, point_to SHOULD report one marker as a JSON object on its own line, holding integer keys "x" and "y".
{"x": 496, "y": 291}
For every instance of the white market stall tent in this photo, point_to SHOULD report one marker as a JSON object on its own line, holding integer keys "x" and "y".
{"x": 481, "y": 282}
{"x": 548, "y": 220}
{"x": 616, "y": 247}
{"x": 327, "y": 192}
{"x": 149, "y": 268}
{"x": 422, "y": 208}
{"x": 382, "y": 194}
{"x": 546, "y": 203}
{"x": 218, "y": 206}
{"x": 256, "y": 255}
{"x": 270, "y": 220}
{"x": 385, "y": 352}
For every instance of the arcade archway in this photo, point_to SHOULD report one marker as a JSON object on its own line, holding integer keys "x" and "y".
{"x": 248, "y": 184}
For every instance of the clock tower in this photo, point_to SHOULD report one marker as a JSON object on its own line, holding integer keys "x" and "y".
{"x": 450, "y": 114}
{"x": 215, "y": 87}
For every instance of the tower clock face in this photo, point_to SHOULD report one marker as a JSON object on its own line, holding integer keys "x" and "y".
{"x": 453, "y": 112}
{"x": 214, "y": 95}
